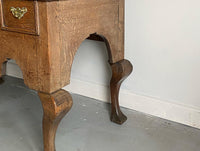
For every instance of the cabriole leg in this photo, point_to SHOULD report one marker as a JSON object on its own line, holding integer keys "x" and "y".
{"x": 2, "y": 71}
{"x": 55, "y": 107}
{"x": 120, "y": 71}
{"x": 1, "y": 80}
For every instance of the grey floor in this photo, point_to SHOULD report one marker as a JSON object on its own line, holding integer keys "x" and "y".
{"x": 86, "y": 127}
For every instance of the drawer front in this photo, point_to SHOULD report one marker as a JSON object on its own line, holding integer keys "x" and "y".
{"x": 20, "y": 16}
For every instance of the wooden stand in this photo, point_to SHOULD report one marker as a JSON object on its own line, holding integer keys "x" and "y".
{"x": 43, "y": 41}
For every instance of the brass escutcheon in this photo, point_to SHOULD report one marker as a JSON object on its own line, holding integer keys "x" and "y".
{"x": 18, "y": 12}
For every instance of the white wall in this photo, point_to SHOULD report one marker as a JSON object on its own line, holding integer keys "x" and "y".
{"x": 163, "y": 44}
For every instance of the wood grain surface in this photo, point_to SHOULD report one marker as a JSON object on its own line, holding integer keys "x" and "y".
{"x": 46, "y": 60}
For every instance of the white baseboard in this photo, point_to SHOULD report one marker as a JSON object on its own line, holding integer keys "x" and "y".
{"x": 12, "y": 69}
{"x": 167, "y": 110}
{"x": 163, "y": 109}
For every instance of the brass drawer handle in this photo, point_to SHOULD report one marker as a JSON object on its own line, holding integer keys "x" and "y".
{"x": 18, "y": 12}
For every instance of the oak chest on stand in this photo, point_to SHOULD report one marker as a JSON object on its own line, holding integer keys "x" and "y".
{"x": 42, "y": 36}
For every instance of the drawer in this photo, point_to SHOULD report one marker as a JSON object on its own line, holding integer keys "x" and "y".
{"x": 20, "y": 16}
